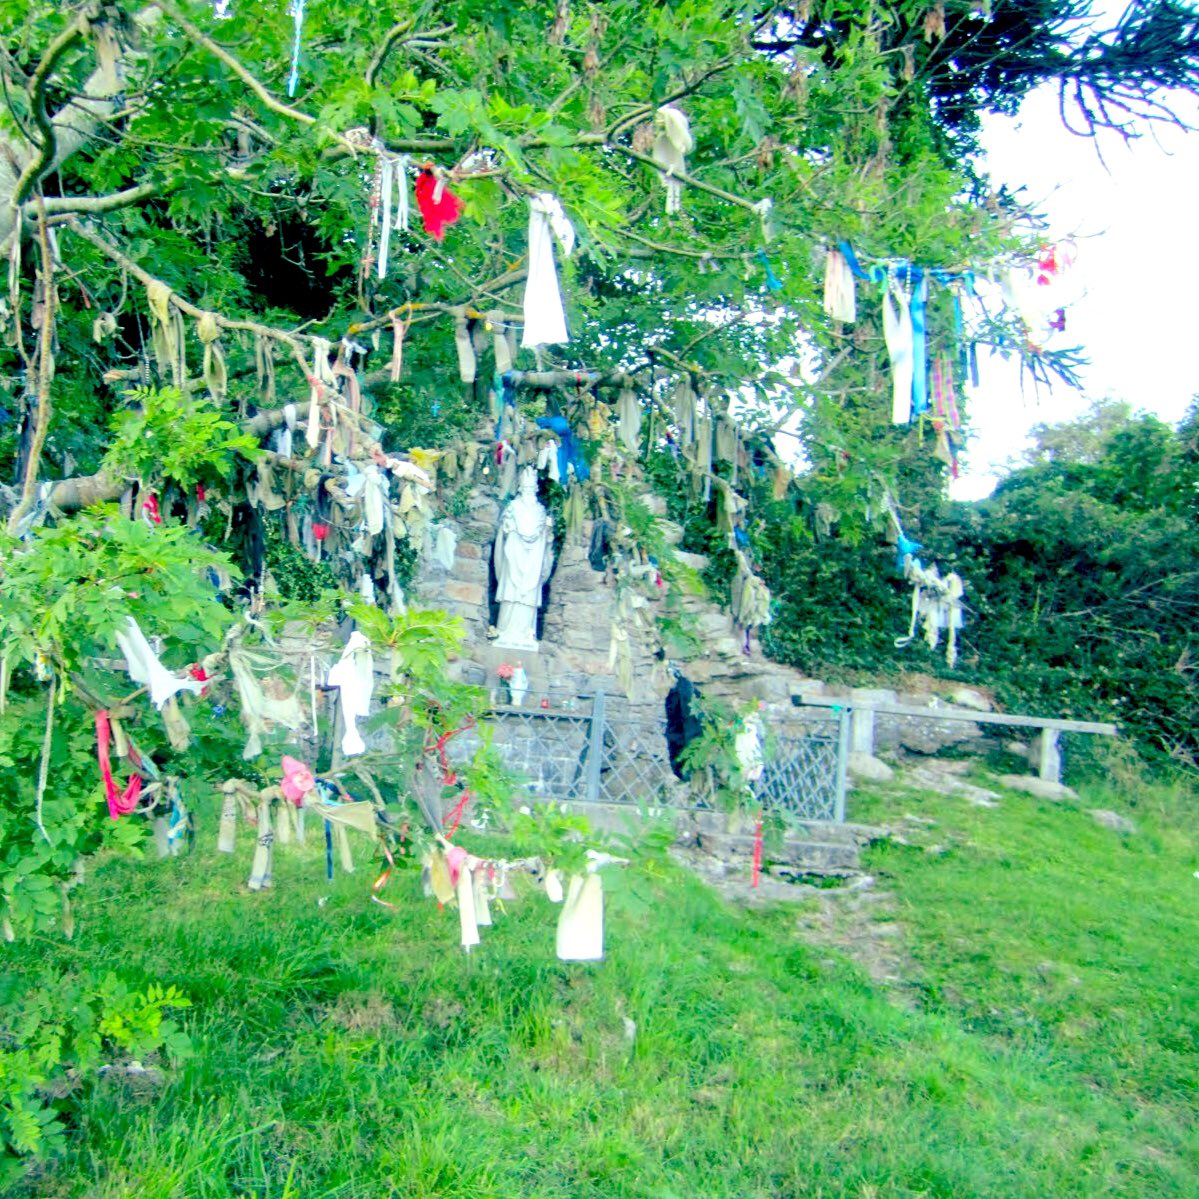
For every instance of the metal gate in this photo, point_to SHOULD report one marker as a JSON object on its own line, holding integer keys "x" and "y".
{"x": 597, "y": 753}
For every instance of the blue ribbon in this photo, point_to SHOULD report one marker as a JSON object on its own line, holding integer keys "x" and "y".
{"x": 876, "y": 274}
{"x": 328, "y": 851}
{"x": 904, "y": 548}
{"x": 919, "y": 284}
{"x": 293, "y": 79}
{"x": 570, "y": 453}
{"x": 773, "y": 282}
{"x": 917, "y": 278}
{"x": 177, "y": 827}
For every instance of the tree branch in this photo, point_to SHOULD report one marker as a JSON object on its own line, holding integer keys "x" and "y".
{"x": 277, "y": 106}
{"x": 43, "y": 160}
{"x": 56, "y": 205}
{"x": 393, "y": 35}
{"x": 687, "y": 89}
{"x": 687, "y": 180}
{"x": 291, "y": 340}
{"x": 198, "y": 36}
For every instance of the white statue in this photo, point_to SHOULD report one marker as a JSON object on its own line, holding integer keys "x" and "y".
{"x": 523, "y": 556}
{"x": 518, "y": 685}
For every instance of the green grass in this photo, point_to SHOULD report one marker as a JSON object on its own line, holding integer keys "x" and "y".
{"x": 346, "y": 1050}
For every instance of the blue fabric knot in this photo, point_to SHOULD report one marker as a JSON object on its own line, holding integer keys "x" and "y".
{"x": 773, "y": 282}
{"x": 905, "y": 548}
{"x": 570, "y": 453}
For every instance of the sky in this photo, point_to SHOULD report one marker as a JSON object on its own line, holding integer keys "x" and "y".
{"x": 1136, "y": 273}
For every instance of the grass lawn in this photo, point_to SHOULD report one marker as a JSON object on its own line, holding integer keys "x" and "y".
{"x": 1046, "y": 1044}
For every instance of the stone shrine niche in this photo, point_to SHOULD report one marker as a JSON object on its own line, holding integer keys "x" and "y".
{"x": 522, "y": 557}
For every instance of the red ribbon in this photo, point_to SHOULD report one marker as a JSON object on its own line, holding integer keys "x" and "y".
{"x": 120, "y": 803}
{"x": 150, "y": 508}
{"x": 381, "y": 881}
{"x": 450, "y": 777}
{"x": 454, "y": 815}
{"x": 757, "y": 867}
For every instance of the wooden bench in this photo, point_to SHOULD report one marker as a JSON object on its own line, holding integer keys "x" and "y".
{"x": 861, "y": 725}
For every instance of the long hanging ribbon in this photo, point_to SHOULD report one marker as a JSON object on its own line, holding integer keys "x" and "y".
{"x": 384, "y": 211}
{"x": 919, "y": 282}
{"x": 944, "y": 400}
{"x": 467, "y": 363}
{"x": 545, "y": 317}
{"x": 293, "y": 79}
{"x": 398, "y": 328}
{"x": 393, "y": 187}
{"x": 959, "y": 328}
{"x": 399, "y": 168}
{"x": 756, "y": 873}
{"x": 918, "y": 278}
{"x": 120, "y": 803}
{"x": 897, "y": 331}
{"x": 951, "y": 400}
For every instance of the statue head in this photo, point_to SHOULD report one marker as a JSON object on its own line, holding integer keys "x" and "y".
{"x": 528, "y": 483}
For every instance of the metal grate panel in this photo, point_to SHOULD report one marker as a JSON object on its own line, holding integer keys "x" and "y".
{"x": 547, "y": 749}
{"x": 594, "y": 756}
{"x": 801, "y": 777}
{"x": 634, "y": 765}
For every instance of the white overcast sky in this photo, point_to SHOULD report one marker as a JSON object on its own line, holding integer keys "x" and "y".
{"x": 1136, "y": 226}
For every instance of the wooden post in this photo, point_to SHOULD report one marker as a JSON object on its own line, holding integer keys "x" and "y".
{"x": 1049, "y": 756}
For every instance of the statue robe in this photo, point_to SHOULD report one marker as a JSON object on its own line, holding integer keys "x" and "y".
{"x": 523, "y": 556}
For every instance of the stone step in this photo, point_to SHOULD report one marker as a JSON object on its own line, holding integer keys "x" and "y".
{"x": 811, "y": 855}
{"x": 824, "y": 831}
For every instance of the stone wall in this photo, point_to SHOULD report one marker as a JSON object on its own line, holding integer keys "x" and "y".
{"x": 573, "y": 660}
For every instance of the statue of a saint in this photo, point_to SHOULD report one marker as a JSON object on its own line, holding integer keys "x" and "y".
{"x": 523, "y": 556}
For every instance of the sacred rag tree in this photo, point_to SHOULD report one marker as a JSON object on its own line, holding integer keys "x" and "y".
{"x": 351, "y": 230}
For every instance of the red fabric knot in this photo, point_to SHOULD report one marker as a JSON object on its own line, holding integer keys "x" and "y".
{"x": 201, "y": 676}
{"x": 120, "y": 803}
{"x": 437, "y": 212}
